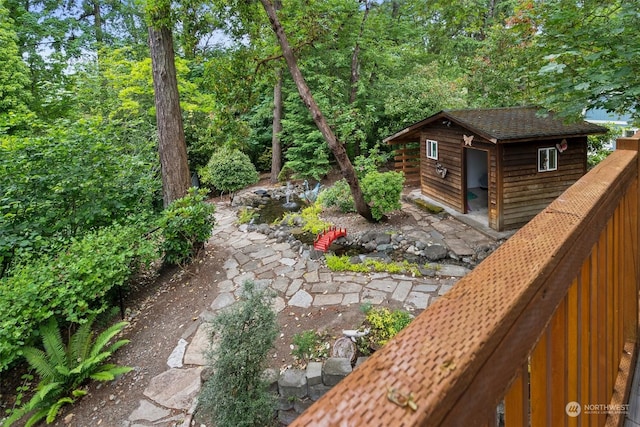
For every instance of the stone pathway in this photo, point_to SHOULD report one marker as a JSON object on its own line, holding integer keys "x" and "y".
{"x": 299, "y": 282}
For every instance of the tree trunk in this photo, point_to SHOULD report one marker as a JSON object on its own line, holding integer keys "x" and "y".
{"x": 171, "y": 142}
{"x": 340, "y": 154}
{"x": 355, "y": 66}
{"x": 355, "y": 57}
{"x": 276, "y": 148}
{"x": 97, "y": 22}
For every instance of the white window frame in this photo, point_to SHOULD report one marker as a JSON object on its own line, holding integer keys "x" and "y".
{"x": 432, "y": 149}
{"x": 547, "y": 159}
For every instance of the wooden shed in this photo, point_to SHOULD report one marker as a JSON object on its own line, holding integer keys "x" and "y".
{"x": 502, "y": 164}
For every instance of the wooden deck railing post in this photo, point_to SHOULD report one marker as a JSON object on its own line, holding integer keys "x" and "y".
{"x": 632, "y": 320}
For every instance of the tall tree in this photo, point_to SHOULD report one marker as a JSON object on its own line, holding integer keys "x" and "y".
{"x": 276, "y": 147}
{"x": 590, "y": 56}
{"x": 172, "y": 147}
{"x": 338, "y": 150}
{"x": 14, "y": 78}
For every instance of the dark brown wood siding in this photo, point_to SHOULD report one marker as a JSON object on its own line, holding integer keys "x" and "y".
{"x": 525, "y": 191}
{"x": 447, "y": 190}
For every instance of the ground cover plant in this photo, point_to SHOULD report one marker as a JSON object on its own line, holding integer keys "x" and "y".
{"x": 64, "y": 368}
{"x": 369, "y": 265}
{"x": 310, "y": 345}
{"x": 382, "y": 324}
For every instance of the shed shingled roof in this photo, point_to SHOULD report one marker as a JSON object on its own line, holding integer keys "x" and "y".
{"x": 507, "y": 124}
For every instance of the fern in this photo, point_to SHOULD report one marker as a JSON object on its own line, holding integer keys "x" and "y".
{"x": 62, "y": 369}
{"x": 80, "y": 342}
{"x": 104, "y": 338}
{"x": 37, "y": 359}
{"x": 52, "y": 342}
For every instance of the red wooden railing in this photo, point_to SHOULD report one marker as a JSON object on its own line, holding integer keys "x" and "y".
{"x": 323, "y": 240}
{"x": 547, "y": 324}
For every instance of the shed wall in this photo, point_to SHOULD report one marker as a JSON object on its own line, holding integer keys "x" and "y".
{"x": 447, "y": 190}
{"x": 525, "y": 191}
{"x": 450, "y": 190}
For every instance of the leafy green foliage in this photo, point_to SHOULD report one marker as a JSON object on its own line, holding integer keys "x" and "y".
{"x": 63, "y": 369}
{"x": 70, "y": 181}
{"x": 237, "y": 394}
{"x": 309, "y": 217}
{"x": 383, "y": 324}
{"x": 14, "y": 78}
{"x": 69, "y": 285}
{"x": 310, "y": 345}
{"x": 371, "y": 162}
{"x": 229, "y": 170}
{"x": 338, "y": 195}
{"x": 597, "y": 145}
{"x": 382, "y": 192}
{"x": 590, "y": 56}
{"x": 186, "y": 224}
{"x": 307, "y": 154}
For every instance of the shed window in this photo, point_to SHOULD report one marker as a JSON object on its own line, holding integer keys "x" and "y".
{"x": 547, "y": 159}
{"x": 432, "y": 149}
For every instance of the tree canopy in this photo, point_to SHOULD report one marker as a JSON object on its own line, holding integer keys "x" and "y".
{"x": 78, "y": 116}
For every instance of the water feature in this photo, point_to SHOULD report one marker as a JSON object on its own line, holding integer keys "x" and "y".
{"x": 271, "y": 209}
{"x": 289, "y": 205}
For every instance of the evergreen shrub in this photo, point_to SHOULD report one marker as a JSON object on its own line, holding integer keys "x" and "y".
{"x": 237, "y": 393}
{"x": 229, "y": 170}
{"x": 382, "y": 191}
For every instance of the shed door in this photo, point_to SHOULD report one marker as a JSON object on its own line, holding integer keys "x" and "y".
{"x": 476, "y": 183}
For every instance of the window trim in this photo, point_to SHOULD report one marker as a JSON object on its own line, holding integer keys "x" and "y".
{"x": 546, "y": 167}
{"x": 432, "y": 146}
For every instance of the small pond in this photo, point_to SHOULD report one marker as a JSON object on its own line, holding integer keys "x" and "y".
{"x": 269, "y": 209}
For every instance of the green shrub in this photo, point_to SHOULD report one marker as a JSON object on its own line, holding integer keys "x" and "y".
{"x": 310, "y": 345}
{"x": 63, "y": 369}
{"x": 69, "y": 180}
{"x": 229, "y": 170}
{"x": 186, "y": 224}
{"x": 371, "y": 162}
{"x": 69, "y": 286}
{"x": 384, "y": 324}
{"x": 382, "y": 190}
{"x": 309, "y": 217}
{"x": 338, "y": 195}
{"x": 237, "y": 393}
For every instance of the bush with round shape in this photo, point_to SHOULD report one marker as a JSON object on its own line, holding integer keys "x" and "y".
{"x": 186, "y": 224}
{"x": 229, "y": 170}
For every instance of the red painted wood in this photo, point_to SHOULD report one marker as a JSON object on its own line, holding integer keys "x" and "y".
{"x": 324, "y": 239}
